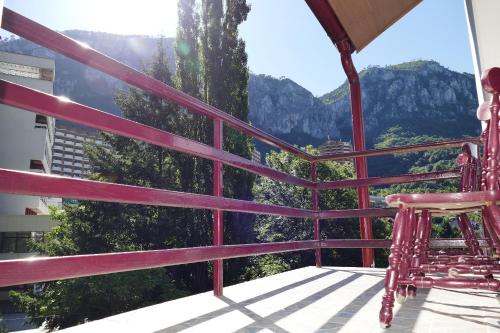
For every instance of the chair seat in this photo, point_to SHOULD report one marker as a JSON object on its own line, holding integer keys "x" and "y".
{"x": 456, "y": 202}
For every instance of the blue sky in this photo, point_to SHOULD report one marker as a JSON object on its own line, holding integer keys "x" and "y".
{"x": 283, "y": 37}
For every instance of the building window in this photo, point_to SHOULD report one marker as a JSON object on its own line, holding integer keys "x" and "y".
{"x": 18, "y": 242}
{"x": 14, "y": 242}
{"x": 36, "y": 165}
{"x": 30, "y": 211}
{"x": 41, "y": 119}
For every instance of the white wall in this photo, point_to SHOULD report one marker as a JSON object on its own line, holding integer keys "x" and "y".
{"x": 484, "y": 30}
{"x": 20, "y": 141}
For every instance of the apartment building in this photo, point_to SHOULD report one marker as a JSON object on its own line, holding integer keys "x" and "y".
{"x": 256, "y": 156}
{"x": 26, "y": 142}
{"x": 69, "y": 158}
{"x": 334, "y": 147}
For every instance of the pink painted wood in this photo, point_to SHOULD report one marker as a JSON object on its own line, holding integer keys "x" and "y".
{"x": 316, "y": 225}
{"x": 395, "y": 258}
{"x": 30, "y": 183}
{"x": 407, "y": 280}
{"x": 218, "y": 214}
{"x": 52, "y": 106}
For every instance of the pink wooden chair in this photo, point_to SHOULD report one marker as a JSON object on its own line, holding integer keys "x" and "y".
{"x": 410, "y": 259}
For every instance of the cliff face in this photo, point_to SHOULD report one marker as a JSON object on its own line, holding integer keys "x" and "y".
{"x": 421, "y": 96}
{"x": 281, "y": 106}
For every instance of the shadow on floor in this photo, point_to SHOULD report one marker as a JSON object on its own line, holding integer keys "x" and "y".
{"x": 335, "y": 323}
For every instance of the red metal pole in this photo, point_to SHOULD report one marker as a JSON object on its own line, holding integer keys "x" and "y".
{"x": 317, "y": 232}
{"x": 366, "y": 232}
{"x": 218, "y": 279}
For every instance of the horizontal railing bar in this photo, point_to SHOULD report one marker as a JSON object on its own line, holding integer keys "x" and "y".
{"x": 80, "y": 52}
{"x": 365, "y": 212}
{"x": 41, "y": 269}
{"x": 30, "y": 183}
{"x": 386, "y": 243}
{"x": 455, "y": 243}
{"x": 399, "y": 150}
{"x": 33, "y": 270}
{"x": 49, "y": 105}
{"x": 355, "y": 243}
{"x": 374, "y": 181}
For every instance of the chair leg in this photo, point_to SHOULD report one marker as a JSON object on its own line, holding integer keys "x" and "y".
{"x": 485, "y": 225}
{"x": 427, "y": 242}
{"x": 406, "y": 256}
{"x": 469, "y": 235}
{"x": 419, "y": 248}
{"x": 392, "y": 273}
{"x": 493, "y": 225}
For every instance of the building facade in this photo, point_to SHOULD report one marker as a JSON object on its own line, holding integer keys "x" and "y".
{"x": 26, "y": 138}
{"x": 256, "y": 156}
{"x": 69, "y": 158}
{"x": 26, "y": 142}
{"x": 334, "y": 147}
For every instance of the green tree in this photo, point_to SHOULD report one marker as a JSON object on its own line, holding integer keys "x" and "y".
{"x": 418, "y": 162}
{"x": 278, "y": 229}
{"x": 196, "y": 174}
{"x": 98, "y": 227}
{"x": 224, "y": 77}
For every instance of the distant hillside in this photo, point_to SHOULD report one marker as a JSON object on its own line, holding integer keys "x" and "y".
{"x": 83, "y": 84}
{"x": 281, "y": 106}
{"x": 422, "y": 97}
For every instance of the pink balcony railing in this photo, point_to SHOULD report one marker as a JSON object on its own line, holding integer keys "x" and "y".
{"x": 14, "y": 272}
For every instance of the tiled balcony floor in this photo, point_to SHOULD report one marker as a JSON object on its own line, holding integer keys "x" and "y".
{"x": 329, "y": 299}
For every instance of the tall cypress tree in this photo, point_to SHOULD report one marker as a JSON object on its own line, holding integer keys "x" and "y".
{"x": 211, "y": 52}
{"x": 196, "y": 174}
{"x": 225, "y": 82}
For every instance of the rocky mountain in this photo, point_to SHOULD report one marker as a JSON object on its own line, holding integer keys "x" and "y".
{"x": 422, "y": 96}
{"x": 282, "y": 107}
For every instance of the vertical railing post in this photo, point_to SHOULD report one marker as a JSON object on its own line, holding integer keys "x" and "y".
{"x": 218, "y": 221}
{"x": 358, "y": 136}
{"x": 317, "y": 231}
{"x": 1, "y": 10}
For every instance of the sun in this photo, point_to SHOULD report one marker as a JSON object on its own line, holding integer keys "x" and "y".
{"x": 145, "y": 17}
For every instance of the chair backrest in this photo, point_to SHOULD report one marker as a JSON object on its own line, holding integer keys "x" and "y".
{"x": 470, "y": 168}
{"x": 491, "y": 83}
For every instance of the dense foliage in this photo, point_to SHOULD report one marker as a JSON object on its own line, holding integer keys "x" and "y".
{"x": 97, "y": 227}
{"x": 277, "y": 229}
{"x": 419, "y": 162}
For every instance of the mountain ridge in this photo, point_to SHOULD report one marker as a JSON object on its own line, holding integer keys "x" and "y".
{"x": 421, "y": 95}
